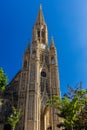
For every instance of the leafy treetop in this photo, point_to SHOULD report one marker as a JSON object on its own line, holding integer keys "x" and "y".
{"x": 3, "y": 79}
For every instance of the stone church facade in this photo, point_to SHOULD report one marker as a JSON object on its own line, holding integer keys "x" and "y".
{"x": 36, "y": 82}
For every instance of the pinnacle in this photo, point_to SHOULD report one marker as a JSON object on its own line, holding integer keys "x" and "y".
{"x": 40, "y": 6}
{"x": 28, "y": 47}
{"x": 52, "y": 42}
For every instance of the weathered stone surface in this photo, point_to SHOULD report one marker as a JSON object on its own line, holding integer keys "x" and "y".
{"x": 37, "y": 81}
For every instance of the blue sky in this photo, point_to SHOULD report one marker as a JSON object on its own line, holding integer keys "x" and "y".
{"x": 66, "y": 21}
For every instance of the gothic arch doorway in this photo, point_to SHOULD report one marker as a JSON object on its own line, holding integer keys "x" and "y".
{"x": 7, "y": 127}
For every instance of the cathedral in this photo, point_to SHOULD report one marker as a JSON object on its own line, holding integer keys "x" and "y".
{"x": 34, "y": 84}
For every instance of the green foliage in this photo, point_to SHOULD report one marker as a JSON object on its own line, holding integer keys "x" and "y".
{"x": 3, "y": 80}
{"x": 82, "y": 116}
{"x": 14, "y": 118}
{"x": 0, "y": 102}
{"x": 69, "y": 107}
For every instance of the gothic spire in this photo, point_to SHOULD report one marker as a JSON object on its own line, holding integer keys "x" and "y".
{"x": 52, "y": 43}
{"x": 28, "y": 47}
{"x": 40, "y": 16}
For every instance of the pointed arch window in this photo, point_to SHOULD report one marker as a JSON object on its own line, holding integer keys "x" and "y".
{"x": 38, "y": 33}
{"x": 52, "y": 60}
{"x": 43, "y": 81}
{"x": 25, "y": 63}
{"x": 46, "y": 59}
{"x": 43, "y": 34}
{"x": 41, "y": 58}
{"x": 43, "y": 74}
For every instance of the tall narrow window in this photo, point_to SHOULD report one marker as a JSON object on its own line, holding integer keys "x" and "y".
{"x": 43, "y": 81}
{"x": 46, "y": 59}
{"x": 43, "y": 34}
{"x": 38, "y": 33}
{"x": 25, "y": 64}
{"x": 52, "y": 60}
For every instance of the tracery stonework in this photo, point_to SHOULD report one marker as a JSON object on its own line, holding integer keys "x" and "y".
{"x": 37, "y": 81}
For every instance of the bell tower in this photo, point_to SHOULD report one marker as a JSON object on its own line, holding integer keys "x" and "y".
{"x": 40, "y": 31}
{"x": 41, "y": 82}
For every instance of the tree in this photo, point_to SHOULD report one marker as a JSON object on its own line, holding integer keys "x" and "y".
{"x": 3, "y": 82}
{"x": 3, "y": 79}
{"x": 82, "y": 122}
{"x": 70, "y": 106}
{"x": 14, "y": 118}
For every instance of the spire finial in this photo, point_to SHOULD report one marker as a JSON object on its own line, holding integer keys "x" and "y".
{"x": 40, "y": 6}
{"x": 52, "y": 42}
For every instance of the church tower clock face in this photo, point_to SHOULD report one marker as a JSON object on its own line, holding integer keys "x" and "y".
{"x": 43, "y": 46}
